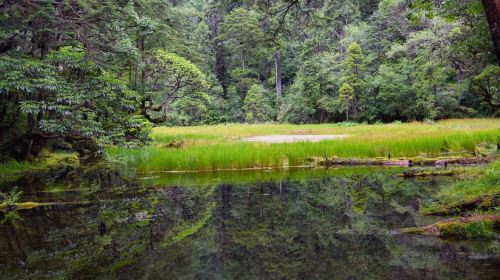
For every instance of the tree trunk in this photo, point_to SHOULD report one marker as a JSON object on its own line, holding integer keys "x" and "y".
{"x": 213, "y": 19}
{"x": 165, "y": 105}
{"x": 88, "y": 150}
{"x": 492, "y": 10}
{"x": 277, "y": 64}
{"x": 143, "y": 69}
{"x": 243, "y": 59}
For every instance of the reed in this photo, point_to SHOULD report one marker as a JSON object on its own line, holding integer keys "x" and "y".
{"x": 218, "y": 147}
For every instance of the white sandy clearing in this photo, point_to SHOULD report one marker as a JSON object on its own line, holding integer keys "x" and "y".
{"x": 291, "y": 138}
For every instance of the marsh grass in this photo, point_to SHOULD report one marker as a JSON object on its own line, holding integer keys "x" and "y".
{"x": 218, "y": 147}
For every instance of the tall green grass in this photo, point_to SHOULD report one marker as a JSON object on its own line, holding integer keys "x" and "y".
{"x": 241, "y": 155}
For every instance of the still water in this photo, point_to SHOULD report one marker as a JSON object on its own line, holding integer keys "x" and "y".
{"x": 303, "y": 224}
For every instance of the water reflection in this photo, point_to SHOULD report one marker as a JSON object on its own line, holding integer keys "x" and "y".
{"x": 337, "y": 225}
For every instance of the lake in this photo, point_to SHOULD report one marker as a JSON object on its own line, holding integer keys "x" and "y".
{"x": 288, "y": 224}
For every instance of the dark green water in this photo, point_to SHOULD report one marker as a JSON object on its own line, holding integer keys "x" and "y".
{"x": 304, "y": 224}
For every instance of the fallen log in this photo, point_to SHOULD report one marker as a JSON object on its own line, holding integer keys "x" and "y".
{"x": 465, "y": 161}
{"x": 443, "y": 162}
{"x": 365, "y": 162}
{"x": 423, "y": 174}
{"x": 483, "y": 203}
{"x": 400, "y": 163}
{"x": 478, "y": 226}
{"x": 349, "y": 162}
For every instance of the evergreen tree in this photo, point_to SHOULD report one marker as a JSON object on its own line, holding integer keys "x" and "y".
{"x": 353, "y": 68}
{"x": 346, "y": 95}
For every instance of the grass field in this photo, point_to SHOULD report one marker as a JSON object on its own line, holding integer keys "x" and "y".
{"x": 219, "y": 147}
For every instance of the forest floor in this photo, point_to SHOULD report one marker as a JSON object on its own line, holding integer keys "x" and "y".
{"x": 222, "y": 147}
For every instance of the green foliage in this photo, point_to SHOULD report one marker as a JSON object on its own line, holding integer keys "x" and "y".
{"x": 176, "y": 79}
{"x": 312, "y": 96}
{"x": 179, "y": 70}
{"x": 394, "y": 89}
{"x": 256, "y": 105}
{"x": 353, "y": 66}
{"x": 242, "y": 32}
{"x": 72, "y": 98}
{"x": 487, "y": 86}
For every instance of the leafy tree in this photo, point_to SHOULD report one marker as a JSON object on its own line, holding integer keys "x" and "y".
{"x": 256, "y": 105}
{"x": 487, "y": 86}
{"x": 188, "y": 110}
{"x": 393, "y": 84}
{"x": 171, "y": 78}
{"x": 65, "y": 97}
{"x": 487, "y": 11}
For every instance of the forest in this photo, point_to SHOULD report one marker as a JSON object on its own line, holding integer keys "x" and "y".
{"x": 250, "y": 139}
{"x": 85, "y": 74}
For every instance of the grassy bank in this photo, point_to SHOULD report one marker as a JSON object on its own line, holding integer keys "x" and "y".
{"x": 475, "y": 194}
{"x": 13, "y": 168}
{"x": 219, "y": 147}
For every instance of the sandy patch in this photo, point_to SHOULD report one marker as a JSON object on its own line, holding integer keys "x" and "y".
{"x": 291, "y": 138}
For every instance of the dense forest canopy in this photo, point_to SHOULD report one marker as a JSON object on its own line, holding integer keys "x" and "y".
{"x": 84, "y": 74}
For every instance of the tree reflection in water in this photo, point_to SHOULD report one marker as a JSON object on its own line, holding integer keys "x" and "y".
{"x": 335, "y": 227}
